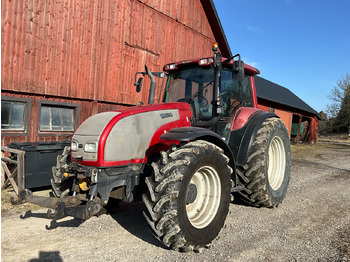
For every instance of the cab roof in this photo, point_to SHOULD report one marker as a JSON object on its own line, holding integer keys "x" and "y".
{"x": 249, "y": 70}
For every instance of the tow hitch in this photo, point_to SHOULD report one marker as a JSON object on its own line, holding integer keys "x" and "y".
{"x": 62, "y": 207}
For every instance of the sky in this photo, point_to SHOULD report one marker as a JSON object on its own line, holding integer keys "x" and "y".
{"x": 303, "y": 45}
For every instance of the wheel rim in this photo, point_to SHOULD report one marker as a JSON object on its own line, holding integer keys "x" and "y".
{"x": 276, "y": 163}
{"x": 203, "y": 209}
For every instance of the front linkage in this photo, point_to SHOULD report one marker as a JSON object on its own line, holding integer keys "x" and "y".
{"x": 61, "y": 207}
{"x": 81, "y": 191}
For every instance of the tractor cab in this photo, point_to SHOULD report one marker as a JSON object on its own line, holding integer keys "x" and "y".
{"x": 215, "y": 90}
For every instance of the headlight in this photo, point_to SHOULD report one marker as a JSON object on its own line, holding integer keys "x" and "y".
{"x": 74, "y": 146}
{"x": 90, "y": 147}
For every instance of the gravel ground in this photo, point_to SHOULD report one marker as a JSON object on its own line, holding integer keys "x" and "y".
{"x": 312, "y": 224}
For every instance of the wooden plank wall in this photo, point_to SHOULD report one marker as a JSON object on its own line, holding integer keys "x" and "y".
{"x": 91, "y": 49}
{"x": 88, "y": 51}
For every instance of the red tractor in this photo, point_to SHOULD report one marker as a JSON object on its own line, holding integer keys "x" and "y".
{"x": 183, "y": 157}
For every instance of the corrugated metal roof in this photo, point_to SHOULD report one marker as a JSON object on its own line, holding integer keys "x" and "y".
{"x": 268, "y": 90}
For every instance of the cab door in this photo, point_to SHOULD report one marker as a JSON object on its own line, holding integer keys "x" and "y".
{"x": 233, "y": 97}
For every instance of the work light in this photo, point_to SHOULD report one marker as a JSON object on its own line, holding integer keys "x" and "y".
{"x": 90, "y": 147}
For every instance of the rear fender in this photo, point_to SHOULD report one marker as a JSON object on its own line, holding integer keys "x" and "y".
{"x": 242, "y": 139}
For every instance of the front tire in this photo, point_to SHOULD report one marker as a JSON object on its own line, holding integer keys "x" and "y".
{"x": 188, "y": 195}
{"x": 265, "y": 176}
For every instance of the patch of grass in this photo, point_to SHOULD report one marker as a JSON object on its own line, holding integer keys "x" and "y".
{"x": 338, "y": 138}
{"x": 306, "y": 149}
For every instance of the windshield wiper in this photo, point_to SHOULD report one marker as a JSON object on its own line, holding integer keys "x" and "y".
{"x": 199, "y": 91}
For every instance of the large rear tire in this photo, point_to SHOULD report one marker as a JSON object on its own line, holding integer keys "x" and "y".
{"x": 188, "y": 195}
{"x": 265, "y": 176}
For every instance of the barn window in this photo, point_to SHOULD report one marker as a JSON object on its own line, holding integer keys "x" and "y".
{"x": 14, "y": 114}
{"x": 57, "y": 118}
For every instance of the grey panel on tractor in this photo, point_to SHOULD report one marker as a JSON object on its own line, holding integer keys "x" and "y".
{"x": 131, "y": 136}
{"x": 94, "y": 125}
{"x": 91, "y": 130}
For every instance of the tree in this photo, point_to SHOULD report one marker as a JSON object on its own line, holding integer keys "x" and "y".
{"x": 339, "y": 110}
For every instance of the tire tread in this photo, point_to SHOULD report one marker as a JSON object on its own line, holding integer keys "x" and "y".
{"x": 163, "y": 191}
{"x": 252, "y": 174}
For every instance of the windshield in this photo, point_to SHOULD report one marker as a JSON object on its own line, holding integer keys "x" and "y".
{"x": 190, "y": 83}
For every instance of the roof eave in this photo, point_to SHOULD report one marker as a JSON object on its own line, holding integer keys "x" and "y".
{"x": 290, "y": 106}
{"x": 215, "y": 24}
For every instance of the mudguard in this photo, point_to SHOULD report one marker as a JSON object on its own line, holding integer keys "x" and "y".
{"x": 242, "y": 139}
{"x": 186, "y": 134}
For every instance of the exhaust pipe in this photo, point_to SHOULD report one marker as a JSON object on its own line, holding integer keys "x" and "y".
{"x": 152, "y": 88}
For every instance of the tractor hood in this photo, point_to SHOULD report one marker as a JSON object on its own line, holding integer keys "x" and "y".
{"x": 123, "y": 136}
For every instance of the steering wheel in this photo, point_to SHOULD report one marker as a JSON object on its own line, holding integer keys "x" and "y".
{"x": 204, "y": 103}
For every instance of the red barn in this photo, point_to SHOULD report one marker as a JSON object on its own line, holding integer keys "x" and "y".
{"x": 63, "y": 61}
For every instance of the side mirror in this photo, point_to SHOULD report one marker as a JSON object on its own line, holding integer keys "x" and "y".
{"x": 139, "y": 84}
{"x": 238, "y": 70}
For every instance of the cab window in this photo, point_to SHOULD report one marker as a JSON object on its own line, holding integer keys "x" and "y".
{"x": 231, "y": 95}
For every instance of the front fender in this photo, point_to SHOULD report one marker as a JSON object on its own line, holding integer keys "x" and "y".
{"x": 186, "y": 134}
